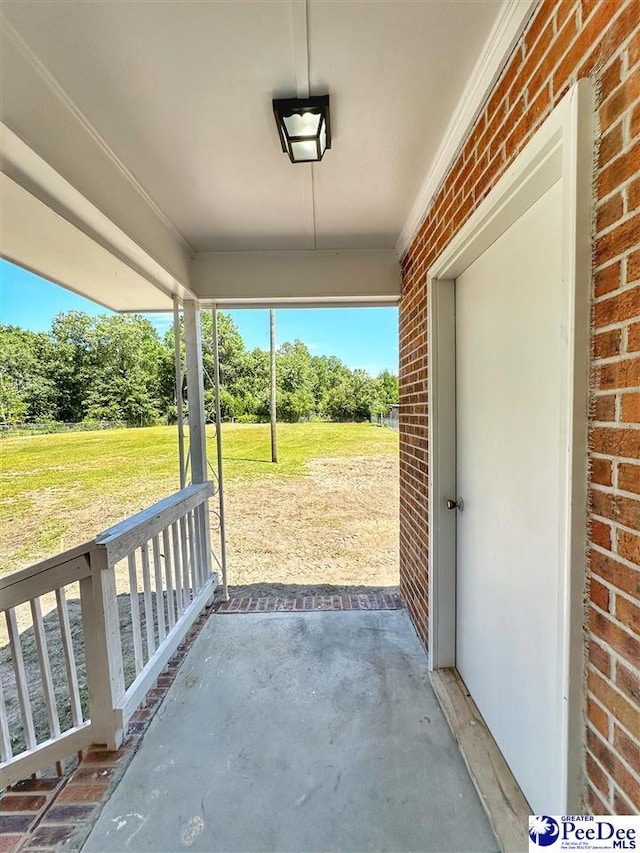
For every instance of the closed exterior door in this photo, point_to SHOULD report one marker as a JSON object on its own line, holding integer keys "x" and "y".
{"x": 509, "y": 397}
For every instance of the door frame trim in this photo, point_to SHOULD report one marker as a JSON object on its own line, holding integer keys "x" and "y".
{"x": 561, "y": 149}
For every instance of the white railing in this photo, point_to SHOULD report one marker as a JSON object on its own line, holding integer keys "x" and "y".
{"x": 31, "y": 741}
{"x": 134, "y": 593}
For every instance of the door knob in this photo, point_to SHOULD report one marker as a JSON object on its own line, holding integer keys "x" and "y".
{"x": 453, "y": 504}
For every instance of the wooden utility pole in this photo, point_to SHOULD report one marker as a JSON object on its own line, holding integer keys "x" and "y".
{"x": 272, "y": 400}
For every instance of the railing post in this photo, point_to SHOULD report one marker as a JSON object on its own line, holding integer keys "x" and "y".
{"x": 103, "y": 652}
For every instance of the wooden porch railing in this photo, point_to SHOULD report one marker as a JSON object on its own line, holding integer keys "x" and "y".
{"x": 152, "y": 572}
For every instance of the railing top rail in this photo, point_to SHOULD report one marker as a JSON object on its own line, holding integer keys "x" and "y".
{"x": 77, "y": 557}
{"x": 129, "y": 534}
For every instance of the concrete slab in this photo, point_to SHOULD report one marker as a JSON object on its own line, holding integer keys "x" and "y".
{"x": 305, "y": 732}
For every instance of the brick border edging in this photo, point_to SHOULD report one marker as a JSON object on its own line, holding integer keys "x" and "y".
{"x": 311, "y": 603}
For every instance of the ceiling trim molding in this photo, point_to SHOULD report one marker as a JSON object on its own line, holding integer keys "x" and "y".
{"x": 504, "y": 35}
{"x": 88, "y": 127}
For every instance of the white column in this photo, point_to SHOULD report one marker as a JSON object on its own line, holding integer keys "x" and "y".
{"x": 195, "y": 391}
{"x": 177, "y": 357}
{"x": 197, "y": 421}
{"x": 216, "y": 375}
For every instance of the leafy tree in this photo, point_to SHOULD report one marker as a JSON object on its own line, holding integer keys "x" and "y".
{"x": 117, "y": 368}
{"x": 231, "y": 348}
{"x": 72, "y": 342}
{"x": 27, "y": 392}
{"x": 13, "y": 408}
{"x": 124, "y": 384}
{"x": 295, "y": 376}
{"x": 253, "y": 384}
{"x": 388, "y": 385}
{"x": 385, "y": 392}
{"x": 232, "y": 355}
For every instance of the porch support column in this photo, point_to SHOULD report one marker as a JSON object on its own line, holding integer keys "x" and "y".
{"x": 216, "y": 375}
{"x": 177, "y": 357}
{"x": 195, "y": 391}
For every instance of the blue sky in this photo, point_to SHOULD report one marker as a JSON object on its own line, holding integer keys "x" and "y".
{"x": 361, "y": 337}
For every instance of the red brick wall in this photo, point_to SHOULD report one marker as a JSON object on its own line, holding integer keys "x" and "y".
{"x": 564, "y": 41}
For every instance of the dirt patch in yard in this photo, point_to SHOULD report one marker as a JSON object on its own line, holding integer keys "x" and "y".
{"x": 334, "y": 530}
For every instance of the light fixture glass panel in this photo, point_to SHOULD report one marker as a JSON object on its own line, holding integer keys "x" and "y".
{"x": 304, "y": 125}
{"x": 323, "y": 138}
{"x": 304, "y": 151}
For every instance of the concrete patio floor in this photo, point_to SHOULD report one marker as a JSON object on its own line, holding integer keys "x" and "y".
{"x": 298, "y": 732}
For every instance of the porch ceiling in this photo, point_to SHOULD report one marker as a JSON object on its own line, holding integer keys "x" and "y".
{"x": 174, "y": 99}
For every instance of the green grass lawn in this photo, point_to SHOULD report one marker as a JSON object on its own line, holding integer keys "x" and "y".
{"x": 59, "y": 490}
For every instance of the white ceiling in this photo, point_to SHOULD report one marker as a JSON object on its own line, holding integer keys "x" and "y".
{"x": 180, "y": 92}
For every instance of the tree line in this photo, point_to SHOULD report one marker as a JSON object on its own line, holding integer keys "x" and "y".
{"x": 119, "y": 369}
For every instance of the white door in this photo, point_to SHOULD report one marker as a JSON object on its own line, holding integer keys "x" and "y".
{"x": 508, "y": 400}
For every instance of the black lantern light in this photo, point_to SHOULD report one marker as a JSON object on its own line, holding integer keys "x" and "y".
{"x": 304, "y": 127}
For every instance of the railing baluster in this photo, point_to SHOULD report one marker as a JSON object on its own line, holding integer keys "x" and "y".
{"x": 21, "y": 679}
{"x": 197, "y": 519}
{"x": 69, "y": 657}
{"x": 171, "y": 613}
{"x": 148, "y": 606}
{"x": 157, "y": 567}
{"x": 45, "y": 667}
{"x": 192, "y": 554}
{"x": 205, "y": 542}
{"x": 185, "y": 561}
{"x": 5, "y": 736}
{"x": 175, "y": 536}
{"x": 207, "y": 568}
{"x": 135, "y": 612}
{"x": 197, "y": 548}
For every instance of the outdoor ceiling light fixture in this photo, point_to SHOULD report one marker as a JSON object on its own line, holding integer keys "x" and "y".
{"x": 304, "y": 127}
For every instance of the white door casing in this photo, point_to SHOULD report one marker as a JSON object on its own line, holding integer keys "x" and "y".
{"x": 560, "y": 153}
